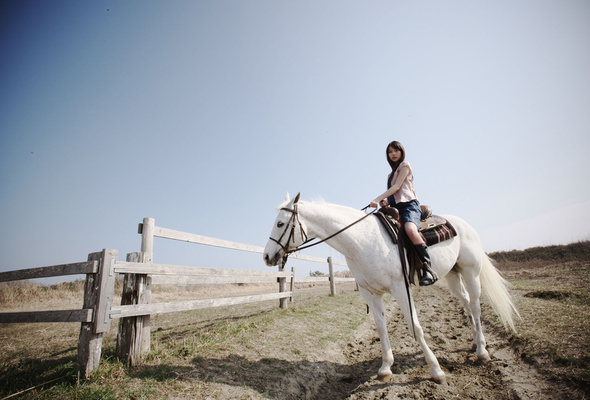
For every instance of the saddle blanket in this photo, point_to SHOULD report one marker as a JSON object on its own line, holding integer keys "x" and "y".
{"x": 434, "y": 229}
{"x": 439, "y": 233}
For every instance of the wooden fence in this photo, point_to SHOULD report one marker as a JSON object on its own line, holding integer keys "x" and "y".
{"x": 140, "y": 273}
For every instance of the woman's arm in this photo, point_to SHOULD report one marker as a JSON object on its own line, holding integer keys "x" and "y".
{"x": 403, "y": 174}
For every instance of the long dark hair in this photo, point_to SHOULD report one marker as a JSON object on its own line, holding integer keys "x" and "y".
{"x": 398, "y": 146}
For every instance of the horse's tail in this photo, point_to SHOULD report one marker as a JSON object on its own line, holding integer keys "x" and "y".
{"x": 496, "y": 289}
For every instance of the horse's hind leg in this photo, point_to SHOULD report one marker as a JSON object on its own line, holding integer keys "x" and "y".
{"x": 473, "y": 286}
{"x": 401, "y": 296}
{"x": 375, "y": 303}
{"x": 456, "y": 287}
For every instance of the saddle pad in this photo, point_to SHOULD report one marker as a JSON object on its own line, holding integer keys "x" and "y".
{"x": 439, "y": 233}
{"x": 432, "y": 222}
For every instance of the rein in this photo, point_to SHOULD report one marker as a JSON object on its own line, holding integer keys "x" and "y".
{"x": 295, "y": 216}
{"x": 304, "y": 245}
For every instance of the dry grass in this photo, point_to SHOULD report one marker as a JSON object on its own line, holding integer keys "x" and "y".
{"x": 32, "y": 354}
{"x": 29, "y": 296}
{"x": 550, "y": 286}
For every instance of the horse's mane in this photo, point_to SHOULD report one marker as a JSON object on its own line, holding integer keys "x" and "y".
{"x": 324, "y": 204}
{"x": 321, "y": 202}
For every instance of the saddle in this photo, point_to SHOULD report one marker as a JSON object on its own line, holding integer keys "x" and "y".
{"x": 433, "y": 229}
{"x": 427, "y": 220}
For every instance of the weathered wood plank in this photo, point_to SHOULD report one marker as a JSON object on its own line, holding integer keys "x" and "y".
{"x": 309, "y": 279}
{"x": 89, "y": 343}
{"x": 47, "y": 316}
{"x": 209, "y": 241}
{"x": 133, "y": 337}
{"x": 106, "y": 288}
{"x": 210, "y": 280}
{"x": 332, "y": 282}
{"x": 86, "y": 267}
{"x": 163, "y": 269}
{"x": 215, "y": 280}
{"x": 160, "y": 308}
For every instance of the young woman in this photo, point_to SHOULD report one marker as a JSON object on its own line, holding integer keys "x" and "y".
{"x": 401, "y": 194}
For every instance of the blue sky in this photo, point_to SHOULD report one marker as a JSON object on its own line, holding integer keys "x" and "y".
{"x": 203, "y": 114}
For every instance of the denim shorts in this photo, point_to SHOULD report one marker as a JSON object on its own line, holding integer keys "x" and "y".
{"x": 410, "y": 212}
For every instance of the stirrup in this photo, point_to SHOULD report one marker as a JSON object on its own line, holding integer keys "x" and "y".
{"x": 427, "y": 278}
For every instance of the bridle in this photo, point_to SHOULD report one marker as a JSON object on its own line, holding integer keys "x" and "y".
{"x": 295, "y": 217}
{"x": 291, "y": 237}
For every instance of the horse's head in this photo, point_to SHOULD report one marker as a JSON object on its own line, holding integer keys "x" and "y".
{"x": 288, "y": 232}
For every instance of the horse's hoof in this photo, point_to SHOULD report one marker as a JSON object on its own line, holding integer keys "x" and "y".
{"x": 484, "y": 358}
{"x": 384, "y": 376}
{"x": 441, "y": 380}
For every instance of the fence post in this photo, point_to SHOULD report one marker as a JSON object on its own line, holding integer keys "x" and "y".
{"x": 147, "y": 248}
{"x": 283, "y": 303}
{"x": 147, "y": 239}
{"x": 332, "y": 281}
{"x": 90, "y": 343}
{"x": 292, "y": 283}
{"x": 133, "y": 338}
{"x": 106, "y": 291}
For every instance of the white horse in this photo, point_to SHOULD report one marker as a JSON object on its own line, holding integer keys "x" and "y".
{"x": 375, "y": 263}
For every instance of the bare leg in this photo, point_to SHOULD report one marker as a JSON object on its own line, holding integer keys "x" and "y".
{"x": 412, "y": 231}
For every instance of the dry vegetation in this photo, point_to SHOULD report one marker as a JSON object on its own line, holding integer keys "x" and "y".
{"x": 257, "y": 351}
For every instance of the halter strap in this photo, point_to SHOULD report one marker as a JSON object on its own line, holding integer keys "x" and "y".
{"x": 294, "y": 216}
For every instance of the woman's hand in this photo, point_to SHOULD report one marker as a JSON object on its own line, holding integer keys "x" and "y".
{"x": 382, "y": 203}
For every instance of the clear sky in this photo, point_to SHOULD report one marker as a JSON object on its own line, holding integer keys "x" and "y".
{"x": 203, "y": 114}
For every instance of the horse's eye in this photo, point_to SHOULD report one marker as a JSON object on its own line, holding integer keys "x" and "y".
{"x": 280, "y": 224}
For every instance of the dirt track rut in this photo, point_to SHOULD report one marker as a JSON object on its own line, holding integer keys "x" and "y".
{"x": 450, "y": 337}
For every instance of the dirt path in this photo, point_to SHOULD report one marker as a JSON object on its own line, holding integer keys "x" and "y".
{"x": 449, "y": 336}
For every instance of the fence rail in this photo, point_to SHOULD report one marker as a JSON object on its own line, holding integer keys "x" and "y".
{"x": 133, "y": 339}
{"x": 208, "y": 241}
{"x": 87, "y": 267}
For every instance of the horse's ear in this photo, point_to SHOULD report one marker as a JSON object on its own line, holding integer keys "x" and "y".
{"x": 287, "y": 197}
{"x": 296, "y": 199}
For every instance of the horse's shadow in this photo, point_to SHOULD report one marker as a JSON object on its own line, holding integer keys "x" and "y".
{"x": 279, "y": 378}
{"x": 271, "y": 377}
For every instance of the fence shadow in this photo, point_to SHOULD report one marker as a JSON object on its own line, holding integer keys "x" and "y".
{"x": 31, "y": 372}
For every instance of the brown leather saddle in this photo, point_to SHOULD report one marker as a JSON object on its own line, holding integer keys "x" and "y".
{"x": 427, "y": 219}
{"x": 433, "y": 228}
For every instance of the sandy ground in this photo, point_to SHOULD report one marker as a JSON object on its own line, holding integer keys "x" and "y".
{"x": 348, "y": 369}
{"x": 449, "y": 335}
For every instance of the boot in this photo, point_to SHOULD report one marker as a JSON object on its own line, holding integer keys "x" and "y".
{"x": 427, "y": 277}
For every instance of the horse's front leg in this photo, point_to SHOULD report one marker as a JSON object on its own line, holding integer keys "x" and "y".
{"x": 375, "y": 303}
{"x": 400, "y": 295}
